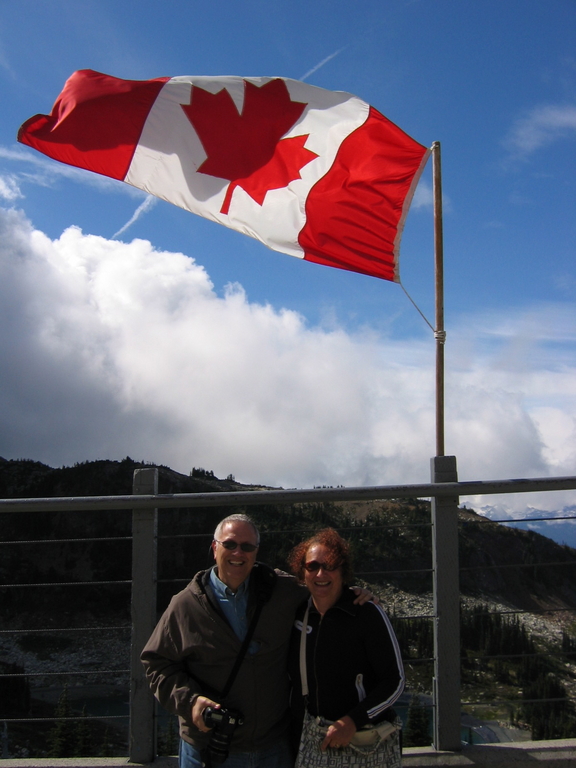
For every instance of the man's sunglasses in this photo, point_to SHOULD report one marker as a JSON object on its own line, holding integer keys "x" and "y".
{"x": 232, "y": 545}
{"x": 314, "y": 566}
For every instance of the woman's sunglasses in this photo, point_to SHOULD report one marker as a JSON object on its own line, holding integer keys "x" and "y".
{"x": 314, "y": 566}
{"x": 232, "y": 545}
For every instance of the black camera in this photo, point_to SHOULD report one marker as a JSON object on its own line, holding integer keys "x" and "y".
{"x": 223, "y": 723}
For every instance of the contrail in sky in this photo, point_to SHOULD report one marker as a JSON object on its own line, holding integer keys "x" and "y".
{"x": 324, "y": 61}
{"x": 142, "y": 208}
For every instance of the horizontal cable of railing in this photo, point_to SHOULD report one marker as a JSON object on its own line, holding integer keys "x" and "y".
{"x": 359, "y": 574}
{"x": 501, "y": 702}
{"x": 508, "y": 520}
{"x": 423, "y": 660}
{"x": 124, "y": 627}
{"x": 67, "y": 584}
{"x": 395, "y": 570}
{"x": 555, "y": 563}
{"x": 516, "y": 655}
{"x": 534, "y": 612}
{"x": 69, "y": 673}
{"x": 65, "y": 541}
{"x": 355, "y": 529}
{"x": 351, "y": 529}
{"x": 58, "y": 718}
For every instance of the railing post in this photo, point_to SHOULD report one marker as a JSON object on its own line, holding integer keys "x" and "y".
{"x": 144, "y": 540}
{"x": 446, "y": 609}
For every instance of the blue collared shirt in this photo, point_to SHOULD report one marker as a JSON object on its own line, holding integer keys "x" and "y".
{"x": 234, "y": 605}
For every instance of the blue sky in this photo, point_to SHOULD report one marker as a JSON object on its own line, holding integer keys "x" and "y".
{"x": 185, "y": 343}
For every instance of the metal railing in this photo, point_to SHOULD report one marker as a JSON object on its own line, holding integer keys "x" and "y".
{"x": 444, "y": 490}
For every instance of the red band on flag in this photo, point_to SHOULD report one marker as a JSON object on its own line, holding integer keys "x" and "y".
{"x": 95, "y": 123}
{"x": 355, "y": 213}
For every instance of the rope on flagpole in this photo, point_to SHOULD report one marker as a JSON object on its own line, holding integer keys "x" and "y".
{"x": 438, "y": 330}
{"x": 422, "y": 315}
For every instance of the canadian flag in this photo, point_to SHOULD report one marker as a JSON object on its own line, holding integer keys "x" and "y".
{"x": 316, "y": 174}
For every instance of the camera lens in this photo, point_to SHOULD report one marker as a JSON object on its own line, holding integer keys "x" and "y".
{"x": 223, "y": 723}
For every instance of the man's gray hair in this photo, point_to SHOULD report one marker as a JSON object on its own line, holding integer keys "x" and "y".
{"x": 236, "y": 519}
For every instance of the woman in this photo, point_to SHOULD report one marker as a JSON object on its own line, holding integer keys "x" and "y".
{"x": 353, "y": 670}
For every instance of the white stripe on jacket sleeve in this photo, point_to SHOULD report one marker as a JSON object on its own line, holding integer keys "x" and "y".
{"x": 379, "y": 708}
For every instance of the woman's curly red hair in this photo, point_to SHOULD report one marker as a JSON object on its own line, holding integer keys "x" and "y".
{"x": 338, "y": 548}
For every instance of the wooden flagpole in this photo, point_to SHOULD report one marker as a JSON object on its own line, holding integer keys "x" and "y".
{"x": 439, "y": 332}
{"x": 444, "y": 515}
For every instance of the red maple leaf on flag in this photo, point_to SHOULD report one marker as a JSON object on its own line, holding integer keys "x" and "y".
{"x": 247, "y": 147}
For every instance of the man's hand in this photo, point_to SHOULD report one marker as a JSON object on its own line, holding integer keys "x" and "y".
{"x": 339, "y": 734}
{"x": 364, "y": 596}
{"x": 200, "y": 704}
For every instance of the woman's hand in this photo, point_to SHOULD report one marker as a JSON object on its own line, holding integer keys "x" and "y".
{"x": 339, "y": 734}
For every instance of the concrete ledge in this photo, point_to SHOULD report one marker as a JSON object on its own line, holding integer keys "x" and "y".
{"x": 560, "y": 753}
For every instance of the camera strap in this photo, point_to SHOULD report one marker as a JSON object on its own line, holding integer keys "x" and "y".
{"x": 242, "y": 651}
{"x": 263, "y": 595}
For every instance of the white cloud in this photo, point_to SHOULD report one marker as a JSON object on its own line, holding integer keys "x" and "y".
{"x": 4, "y": 62}
{"x": 9, "y": 189}
{"x": 111, "y": 349}
{"x": 423, "y": 196}
{"x": 542, "y": 125}
{"x": 520, "y": 369}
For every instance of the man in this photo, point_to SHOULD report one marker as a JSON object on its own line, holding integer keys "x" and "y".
{"x": 192, "y": 651}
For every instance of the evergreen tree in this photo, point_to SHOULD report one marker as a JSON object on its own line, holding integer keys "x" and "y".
{"x": 106, "y": 748}
{"x": 416, "y": 733}
{"x": 61, "y": 738}
{"x": 82, "y": 737}
{"x": 569, "y": 645}
{"x": 168, "y": 738}
{"x": 548, "y": 709}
